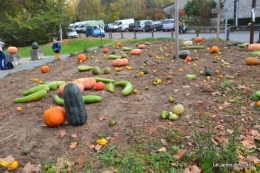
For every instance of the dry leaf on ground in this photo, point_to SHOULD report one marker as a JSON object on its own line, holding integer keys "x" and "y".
{"x": 192, "y": 169}
{"x": 30, "y": 168}
{"x": 163, "y": 149}
{"x": 249, "y": 142}
{"x": 73, "y": 145}
{"x": 62, "y": 133}
{"x": 180, "y": 154}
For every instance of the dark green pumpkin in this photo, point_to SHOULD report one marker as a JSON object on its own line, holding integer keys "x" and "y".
{"x": 184, "y": 53}
{"x": 74, "y": 105}
{"x": 35, "y": 46}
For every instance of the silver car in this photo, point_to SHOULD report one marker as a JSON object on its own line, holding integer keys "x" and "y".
{"x": 168, "y": 24}
{"x": 140, "y": 24}
{"x": 72, "y": 33}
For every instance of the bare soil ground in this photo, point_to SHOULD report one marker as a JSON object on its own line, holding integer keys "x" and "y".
{"x": 134, "y": 114}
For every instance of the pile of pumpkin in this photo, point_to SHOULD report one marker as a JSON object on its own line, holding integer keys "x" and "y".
{"x": 254, "y": 55}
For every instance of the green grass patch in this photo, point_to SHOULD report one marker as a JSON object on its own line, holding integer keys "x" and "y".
{"x": 71, "y": 46}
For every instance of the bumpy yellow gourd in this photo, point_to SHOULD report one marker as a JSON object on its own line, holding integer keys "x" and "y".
{"x": 11, "y": 165}
{"x": 102, "y": 141}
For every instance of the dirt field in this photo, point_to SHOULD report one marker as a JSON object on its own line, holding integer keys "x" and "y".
{"x": 136, "y": 113}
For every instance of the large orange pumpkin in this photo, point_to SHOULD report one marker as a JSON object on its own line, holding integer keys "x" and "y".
{"x": 54, "y": 116}
{"x": 12, "y": 50}
{"x": 78, "y": 83}
{"x": 135, "y": 52}
{"x": 45, "y": 69}
{"x": 141, "y": 46}
{"x": 82, "y": 57}
{"x": 89, "y": 83}
{"x": 119, "y": 62}
{"x": 214, "y": 50}
{"x": 253, "y": 46}
{"x": 198, "y": 39}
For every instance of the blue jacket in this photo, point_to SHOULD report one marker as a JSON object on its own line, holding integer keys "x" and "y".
{"x": 56, "y": 47}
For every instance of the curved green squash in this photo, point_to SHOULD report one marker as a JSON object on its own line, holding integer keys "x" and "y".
{"x": 74, "y": 105}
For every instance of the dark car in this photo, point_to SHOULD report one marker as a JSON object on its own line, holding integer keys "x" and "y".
{"x": 95, "y": 31}
{"x": 131, "y": 27}
{"x": 153, "y": 26}
{"x": 107, "y": 27}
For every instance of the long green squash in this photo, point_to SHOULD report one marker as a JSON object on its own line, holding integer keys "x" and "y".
{"x": 36, "y": 89}
{"x": 74, "y": 105}
{"x": 194, "y": 47}
{"x": 104, "y": 80}
{"x": 32, "y": 97}
{"x": 88, "y": 99}
{"x": 127, "y": 87}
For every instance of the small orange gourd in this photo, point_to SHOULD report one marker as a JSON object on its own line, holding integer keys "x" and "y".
{"x": 105, "y": 50}
{"x": 54, "y": 116}
{"x": 135, "y": 52}
{"x": 99, "y": 86}
{"x": 141, "y": 46}
{"x": 45, "y": 69}
{"x": 12, "y": 50}
{"x": 118, "y": 44}
{"x": 252, "y": 61}
{"x": 214, "y": 50}
{"x": 82, "y": 57}
{"x": 253, "y": 46}
{"x": 198, "y": 39}
{"x": 188, "y": 58}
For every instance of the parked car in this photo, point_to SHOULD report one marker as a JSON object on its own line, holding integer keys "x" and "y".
{"x": 131, "y": 27}
{"x": 168, "y": 24}
{"x": 124, "y": 28}
{"x": 139, "y": 25}
{"x": 95, "y": 31}
{"x": 153, "y": 26}
{"x": 72, "y": 33}
{"x": 107, "y": 27}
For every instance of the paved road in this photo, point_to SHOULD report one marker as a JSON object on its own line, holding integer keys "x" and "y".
{"x": 236, "y": 36}
{"x": 27, "y": 63}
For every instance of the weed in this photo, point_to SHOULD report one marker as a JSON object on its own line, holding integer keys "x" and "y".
{"x": 225, "y": 84}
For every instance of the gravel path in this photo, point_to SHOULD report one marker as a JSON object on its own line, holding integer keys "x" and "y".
{"x": 27, "y": 63}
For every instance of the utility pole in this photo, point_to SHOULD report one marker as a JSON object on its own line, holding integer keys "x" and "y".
{"x": 252, "y": 21}
{"x": 218, "y": 19}
{"x": 226, "y": 18}
{"x": 176, "y": 30}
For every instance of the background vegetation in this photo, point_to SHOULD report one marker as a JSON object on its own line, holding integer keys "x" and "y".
{"x": 26, "y": 21}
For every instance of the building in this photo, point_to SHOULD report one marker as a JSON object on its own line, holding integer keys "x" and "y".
{"x": 243, "y": 8}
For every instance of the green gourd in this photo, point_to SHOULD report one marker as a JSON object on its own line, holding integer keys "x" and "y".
{"x": 74, "y": 105}
{"x": 207, "y": 71}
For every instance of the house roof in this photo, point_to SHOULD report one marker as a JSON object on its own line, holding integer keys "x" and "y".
{"x": 168, "y": 5}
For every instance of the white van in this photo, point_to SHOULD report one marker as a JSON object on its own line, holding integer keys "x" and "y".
{"x": 120, "y": 23}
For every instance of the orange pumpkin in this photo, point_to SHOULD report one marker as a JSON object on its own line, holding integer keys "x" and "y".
{"x": 252, "y": 61}
{"x": 258, "y": 103}
{"x": 12, "y": 50}
{"x": 135, "y": 52}
{"x": 118, "y": 44}
{"x": 88, "y": 83}
{"x": 105, "y": 50}
{"x": 214, "y": 50}
{"x": 45, "y": 69}
{"x": 198, "y": 39}
{"x": 78, "y": 83}
{"x": 188, "y": 58}
{"x": 82, "y": 57}
{"x": 99, "y": 86}
{"x": 141, "y": 46}
{"x": 253, "y": 46}
{"x": 54, "y": 116}
{"x": 119, "y": 62}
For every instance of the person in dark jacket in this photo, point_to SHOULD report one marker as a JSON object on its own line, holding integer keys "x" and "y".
{"x": 2, "y": 57}
{"x": 56, "y": 47}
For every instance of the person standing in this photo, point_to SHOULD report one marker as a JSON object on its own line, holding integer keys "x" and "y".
{"x": 2, "y": 57}
{"x": 180, "y": 26}
{"x": 56, "y": 47}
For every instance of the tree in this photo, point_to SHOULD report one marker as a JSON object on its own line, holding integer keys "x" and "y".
{"x": 200, "y": 10}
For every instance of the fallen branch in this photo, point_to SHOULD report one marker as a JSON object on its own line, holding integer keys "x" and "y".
{"x": 7, "y": 138}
